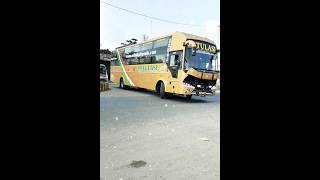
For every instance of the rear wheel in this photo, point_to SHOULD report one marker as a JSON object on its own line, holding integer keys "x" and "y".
{"x": 121, "y": 84}
{"x": 162, "y": 91}
{"x": 189, "y": 97}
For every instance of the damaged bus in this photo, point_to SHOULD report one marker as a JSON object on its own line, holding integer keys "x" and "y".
{"x": 179, "y": 63}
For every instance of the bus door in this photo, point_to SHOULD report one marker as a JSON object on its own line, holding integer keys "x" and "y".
{"x": 175, "y": 60}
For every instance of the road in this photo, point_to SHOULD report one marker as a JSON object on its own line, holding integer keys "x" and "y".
{"x": 145, "y": 137}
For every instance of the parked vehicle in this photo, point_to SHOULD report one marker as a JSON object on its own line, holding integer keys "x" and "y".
{"x": 103, "y": 73}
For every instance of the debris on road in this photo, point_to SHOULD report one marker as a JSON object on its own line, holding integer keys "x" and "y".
{"x": 137, "y": 164}
{"x": 130, "y": 138}
{"x": 204, "y": 139}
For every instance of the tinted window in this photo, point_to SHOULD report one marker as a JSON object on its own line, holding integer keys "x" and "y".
{"x": 126, "y": 61}
{"x": 159, "y": 58}
{"x": 136, "y": 49}
{"x": 147, "y": 60}
{"x": 128, "y": 50}
{"x": 133, "y": 61}
{"x": 151, "y": 52}
{"x": 161, "y": 42}
{"x": 141, "y": 60}
{"x": 147, "y": 46}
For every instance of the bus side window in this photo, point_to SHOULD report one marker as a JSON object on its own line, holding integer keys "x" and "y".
{"x": 126, "y": 61}
{"x": 174, "y": 59}
{"x": 159, "y": 58}
{"x": 134, "y": 61}
{"x": 153, "y": 59}
{"x": 147, "y": 60}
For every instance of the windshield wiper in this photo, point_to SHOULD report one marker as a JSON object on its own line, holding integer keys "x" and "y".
{"x": 202, "y": 69}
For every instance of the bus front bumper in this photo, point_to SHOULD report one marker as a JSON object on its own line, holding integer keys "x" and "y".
{"x": 204, "y": 92}
{"x": 187, "y": 89}
{"x": 201, "y": 93}
{"x": 190, "y": 90}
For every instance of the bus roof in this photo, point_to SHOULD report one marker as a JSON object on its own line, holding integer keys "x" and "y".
{"x": 183, "y": 34}
{"x": 191, "y": 36}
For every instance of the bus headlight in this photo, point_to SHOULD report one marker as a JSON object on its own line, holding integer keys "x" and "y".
{"x": 210, "y": 86}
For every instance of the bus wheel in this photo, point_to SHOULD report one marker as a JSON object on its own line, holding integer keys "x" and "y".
{"x": 162, "y": 91}
{"x": 121, "y": 85}
{"x": 189, "y": 97}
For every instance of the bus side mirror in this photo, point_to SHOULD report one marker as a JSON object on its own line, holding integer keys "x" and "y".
{"x": 194, "y": 51}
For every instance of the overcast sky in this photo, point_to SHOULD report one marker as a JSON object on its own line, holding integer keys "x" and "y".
{"x": 117, "y": 25}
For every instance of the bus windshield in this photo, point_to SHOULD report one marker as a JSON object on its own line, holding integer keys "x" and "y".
{"x": 201, "y": 61}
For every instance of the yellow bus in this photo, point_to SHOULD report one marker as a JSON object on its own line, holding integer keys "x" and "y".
{"x": 178, "y": 63}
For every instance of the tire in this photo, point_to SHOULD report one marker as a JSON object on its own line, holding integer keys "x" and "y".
{"x": 188, "y": 97}
{"x": 163, "y": 94}
{"x": 158, "y": 89}
{"x": 121, "y": 84}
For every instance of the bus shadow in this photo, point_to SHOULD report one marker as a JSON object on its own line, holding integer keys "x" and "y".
{"x": 183, "y": 99}
{"x": 142, "y": 91}
{"x": 176, "y": 98}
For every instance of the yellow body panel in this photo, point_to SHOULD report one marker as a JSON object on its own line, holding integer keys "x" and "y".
{"x": 203, "y": 75}
{"x": 141, "y": 76}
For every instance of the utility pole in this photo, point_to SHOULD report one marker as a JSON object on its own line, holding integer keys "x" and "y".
{"x": 218, "y": 60}
{"x": 150, "y": 28}
{"x": 219, "y": 35}
{"x": 144, "y": 37}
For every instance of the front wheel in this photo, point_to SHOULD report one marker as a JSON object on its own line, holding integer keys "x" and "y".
{"x": 162, "y": 91}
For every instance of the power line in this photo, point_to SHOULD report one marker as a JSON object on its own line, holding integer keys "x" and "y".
{"x": 155, "y": 18}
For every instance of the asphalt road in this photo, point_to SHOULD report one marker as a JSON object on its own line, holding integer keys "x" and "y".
{"x": 145, "y": 137}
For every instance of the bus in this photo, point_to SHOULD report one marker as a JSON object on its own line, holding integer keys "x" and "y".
{"x": 178, "y": 63}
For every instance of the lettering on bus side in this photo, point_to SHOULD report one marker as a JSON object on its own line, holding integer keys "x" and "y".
{"x": 206, "y": 47}
{"x": 147, "y": 68}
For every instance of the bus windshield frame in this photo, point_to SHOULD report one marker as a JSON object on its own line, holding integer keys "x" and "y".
{"x": 201, "y": 61}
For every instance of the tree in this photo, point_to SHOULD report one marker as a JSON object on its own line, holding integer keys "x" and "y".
{"x": 130, "y": 42}
{"x": 105, "y": 51}
{"x": 134, "y": 41}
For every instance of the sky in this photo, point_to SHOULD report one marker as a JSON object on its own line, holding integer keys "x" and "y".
{"x": 117, "y": 26}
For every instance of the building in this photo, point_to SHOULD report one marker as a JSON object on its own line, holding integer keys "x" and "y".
{"x": 106, "y": 59}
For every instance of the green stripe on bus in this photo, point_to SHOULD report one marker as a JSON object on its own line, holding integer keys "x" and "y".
{"x": 126, "y": 79}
